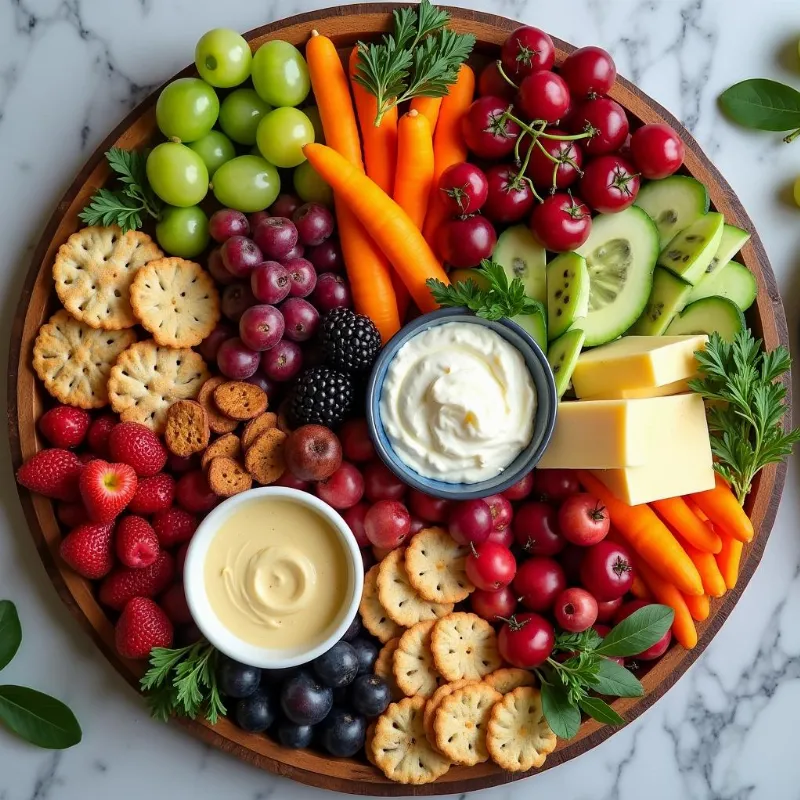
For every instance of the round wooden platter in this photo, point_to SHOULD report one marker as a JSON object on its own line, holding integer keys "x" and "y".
{"x": 346, "y": 25}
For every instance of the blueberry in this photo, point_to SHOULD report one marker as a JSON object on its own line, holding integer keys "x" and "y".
{"x": 343, "y": 733}
{"x": 255, "y": 713}
{"x": 366, "y": 652}
{"x": 295, "y": 736}
{"x": 353, "y": 630}
{"x": 370, "y": 695}
{"x": 237, "y": 680}
{"x": 338, "y": 667}
{"x": 304, "y": 700}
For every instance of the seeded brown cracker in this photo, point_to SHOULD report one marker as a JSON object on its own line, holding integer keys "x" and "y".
{"x": 506, "y": 679}
{"x": 464, "y": 646}
{"x": 398, "y": 596}
{"x": 461, "y": 721}
{"x": 400, "y": 748}
{"x": 240, "y": 400}
{"x": 264, "y": 459}
{"x": 384, "y": 667}
{"x": 256, "y": 426}
{"x": 414, "y": 669}
{"x": 519, "y": 737}
{"x": 373, "y": 614}
{"x": 93, "y": 272}
{"x": 435, "y": 564}
{"x": 176, "y": 301}
{"x": 217, "y": 421}
{"x": 74, "y": 361}
{"x": 186, "y": 431}
{"x": 227, "y": 445}
{"x": 227, "y": 477}
{"x": 148, "y": 379}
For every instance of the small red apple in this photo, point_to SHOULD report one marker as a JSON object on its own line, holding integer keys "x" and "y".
{"x": 313, "y": 453}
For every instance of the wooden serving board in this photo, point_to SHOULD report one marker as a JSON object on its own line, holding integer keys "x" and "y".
{"x": 346, "y": 25}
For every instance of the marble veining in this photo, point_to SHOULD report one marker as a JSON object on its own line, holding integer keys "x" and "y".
{"x": 69, "y": 72}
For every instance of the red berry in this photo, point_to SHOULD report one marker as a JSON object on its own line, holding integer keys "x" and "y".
{"x": 136, "y": 542}
{"x": 153, "y": 494}
{"x": 180, "y": 463}
{"x": 490, "y": 566}
{"x": 173, "y": 601}
{"x": 99, "y": 431}
{"x": 54, "y": 473}
{"x": 64, "y": 426}
{"x": 174, "y": 526}
{"x": 70, "y": 515}
{"x": 194, "y": 494}
{"x": 124, "y": 583}
{"x": 356, "y": 444}
{"x": 180, "y": 558}
{"x": 85, "y": 458}
{"x": 88, "y": 550}
{"x": 106, "y": 489}
{"x": 354, "y": 517}
{"x": 135, "y": 444}
{"x": 431, "y": 509}
{"x": 387, "y": 524}
{"x": 141, "y": 627}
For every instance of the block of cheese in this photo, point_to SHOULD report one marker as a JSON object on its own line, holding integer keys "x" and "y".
{"x": 679, "y": 460}
{"x": 635, "y": 363}
{"x": 676, "y": 387}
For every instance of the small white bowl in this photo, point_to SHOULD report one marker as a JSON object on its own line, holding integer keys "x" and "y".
{"x": 207, "y": 620}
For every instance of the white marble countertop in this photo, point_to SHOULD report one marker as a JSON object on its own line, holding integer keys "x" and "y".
{"x": 71, "y": 69}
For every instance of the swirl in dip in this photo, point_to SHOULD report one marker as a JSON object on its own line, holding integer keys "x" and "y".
{"x": 458, "y": 403}
{"x": 276, "y": 574}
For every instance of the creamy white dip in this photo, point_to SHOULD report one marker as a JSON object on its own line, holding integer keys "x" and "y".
{"x": 458, "y": 403}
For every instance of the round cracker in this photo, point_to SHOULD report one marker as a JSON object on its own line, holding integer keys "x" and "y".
{"x": 256, "y": 426}
{"x": 227, "y": 477}
{"x": 264, "y": 459}
{"x": 240, "y": 400}
{"x": 461, "y": 722}
{"x": 217, "y": 421}
{"x": 373, "y": 614}
{"x": 435, "y": 564}
{"x": 506, "y": 679}
{"x": 186, "y": 431}
{"x": 413, "y": 667}
{"x": 464, "y": 646}
{"x": 227, "y": 445}
{"x": 433, "y": 703}
{"x": 384, "y": 667}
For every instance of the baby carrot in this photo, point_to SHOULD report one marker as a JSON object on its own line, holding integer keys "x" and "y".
{"x": 699, "y": 606}
{"x": 429, "y": 108}
{"x": 414, "y": 176}
{"x": 706, "y": 563}
{"x": 722, "y": 508}
{"x": 675, "y": 511}
{"x": 648, "y": 536}
{"x": 388, "y": 225}
{"x": 639, "y": 588}
{"x": 729, "y": 558}
{"x": 683, "y": 626}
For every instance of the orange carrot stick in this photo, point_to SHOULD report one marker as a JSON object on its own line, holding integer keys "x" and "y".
{"x": 722, "y": 508}
{"x": 367, "y": 268}
{"x": 639, "y": 588}
{"x": 675, "y": 511}
{"x": 448, "y": 146}
{"x": 379, "y": 141}
{"x": 429, "y": 108}
{"x": 699, "y": 606}
{"x": 695, "y": 510}
{"x": 648, "y": 536}
{"x": 683, "y": 626}
{"x": 706, "y": 563}
{"x": 729, "y": 559}
{"x": 388, "y": 225}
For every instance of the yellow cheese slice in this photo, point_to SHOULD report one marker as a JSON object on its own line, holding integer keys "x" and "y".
{"x": 676, "y": 387}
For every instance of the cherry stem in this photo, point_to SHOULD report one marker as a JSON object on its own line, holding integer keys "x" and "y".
{"x": 789, "y": 138}
{"x": 503, "y": 75}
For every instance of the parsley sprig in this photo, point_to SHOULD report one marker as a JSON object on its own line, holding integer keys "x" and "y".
{"x": 124, "y": 206}
{"x": 745, "y": 415}
{"x": 499, "y": 299}
{"x": 421, "y": 58}
{"x": 182, "y": 681}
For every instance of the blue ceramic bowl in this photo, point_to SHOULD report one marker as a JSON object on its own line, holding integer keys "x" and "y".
{"x": 546, "y": 405}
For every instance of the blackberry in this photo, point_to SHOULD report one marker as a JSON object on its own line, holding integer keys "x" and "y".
{"x": 321, "y": 396}
{"x": 350, "y": 341}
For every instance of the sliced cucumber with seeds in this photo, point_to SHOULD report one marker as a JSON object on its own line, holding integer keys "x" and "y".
{"x": 690, "y": 252}
{"x": 521, "y": 256}
{"x": 563, "y": 356}
{"x": 667, "y": 297}
{"x": 709, "y": 315}
{"x": 673, "y": 203}
{"x": 535, "y": 325}
{"x": 567, "y": 293}
{"x": 732, "y": 241}
{"x": 733, "y": 281}
{"x": 620, "y": 253}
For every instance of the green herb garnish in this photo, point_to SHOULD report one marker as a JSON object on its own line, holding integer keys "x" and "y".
{"x": 764, "y": 105}
{"x": 747, "y": 408}
{"x": 183, "y": 681}
{"x": 421, "y": 58}
{"x": 126, "y": 205}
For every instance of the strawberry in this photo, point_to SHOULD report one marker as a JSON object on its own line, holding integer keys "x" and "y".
{"x": 99, "y": 431}
{"x": 54, "y": 473}
{"x": 87, "y": 549}
{"x": 70, "y": 515}
{"x": 106, "y": 489}
{"x": 194, "y": 494}
{"x": 181, "y": 463}
{"x": 125, "y": 583}
{"x": 174, "y": 526}
{"x": 64, "y": 426}
{"x": 173, "y": 601}
{"x": 85, "y": 458}
{"x": 136, "y": 542}
{"x": 180, "y": 558}
{"x": 135, "y": 444}
{"x": 141, "y": 627}
{"x": 153, "y": 494}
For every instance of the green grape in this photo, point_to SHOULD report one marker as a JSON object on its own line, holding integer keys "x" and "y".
{"x": 223, "y": 58}
{"x": 247, "y": 183}
{"x": 280, "y": 74}
{"x": 282, "y": 134}
{"x": 183, "y": 232}
{"x": 177, "y": 174}
{"x": 215, "y": 148}
{"x": 240, "y": 113}
{"x": 187, "y": 109}
{"x": 310, "y": 186}
{"x": 312, "y": 112}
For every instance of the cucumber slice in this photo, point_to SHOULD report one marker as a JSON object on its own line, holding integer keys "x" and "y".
{"x": 620, "y": 253}
{"x": 733, "y": 281}
{"x": 563, "y": 356}
{"x": 673, "y": 203}
{"x": 567, "y": 293}
{"x": 732, "y": 241}
{"x": 667, "y": 297}
{"x": 707, "y": 316}
{"x": 535, "y": 325}
{"x": 689, "y": 253}
{"x": 521, "y": 256}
